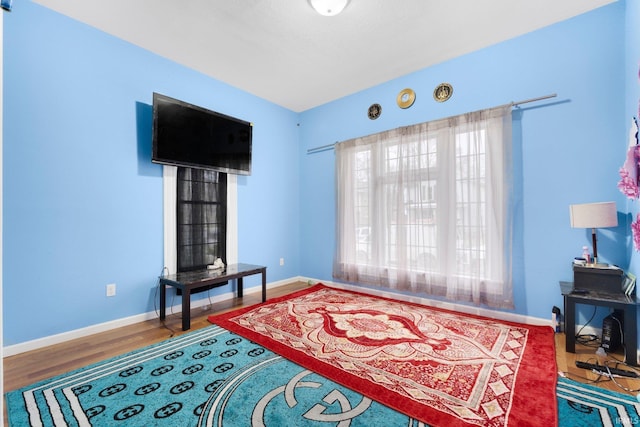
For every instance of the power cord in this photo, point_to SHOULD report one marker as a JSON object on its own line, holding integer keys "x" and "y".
{"x": 155, "y": 304}
{"x": 598, "y": 380}
{"x": 613, "y": 376}
{"x": 589, "y": 340}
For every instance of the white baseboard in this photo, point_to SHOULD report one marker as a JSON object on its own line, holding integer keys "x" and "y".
{"x": 118, "y": 323}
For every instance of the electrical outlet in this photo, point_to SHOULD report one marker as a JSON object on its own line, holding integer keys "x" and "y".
{"x": 111, "y": 290}
{"x": 281, "y": 261}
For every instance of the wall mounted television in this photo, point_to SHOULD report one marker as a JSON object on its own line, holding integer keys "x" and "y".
{"x": 190, "y": 136}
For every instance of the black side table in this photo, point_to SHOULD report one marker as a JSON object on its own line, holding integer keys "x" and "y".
{"x": 192, "y": 280}
{"x": 616, "y": 301}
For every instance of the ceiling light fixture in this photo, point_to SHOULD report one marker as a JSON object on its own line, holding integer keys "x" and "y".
{"x": 328, "y": 7}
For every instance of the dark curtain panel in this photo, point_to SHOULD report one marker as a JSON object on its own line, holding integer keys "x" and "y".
{"x": 201, "y": 218}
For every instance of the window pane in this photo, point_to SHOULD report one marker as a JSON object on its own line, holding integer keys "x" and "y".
{"x": 201, "y": 218}
{"x": 413, "y": 207}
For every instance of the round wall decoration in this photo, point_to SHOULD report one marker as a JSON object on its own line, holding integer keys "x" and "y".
{"x": 406, "y": 98}
{"x": 443, "y": 92}
{"x": 374, "y": 111}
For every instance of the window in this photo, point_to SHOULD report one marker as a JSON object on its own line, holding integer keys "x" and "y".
{"x": 201, "y": 218}
{"x": 169, "y": 213}
{"x": 425, "y": 208}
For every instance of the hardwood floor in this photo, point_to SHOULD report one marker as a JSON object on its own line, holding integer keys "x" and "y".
{"x": 27, "y": 368}
{"x": 567, "y": 364}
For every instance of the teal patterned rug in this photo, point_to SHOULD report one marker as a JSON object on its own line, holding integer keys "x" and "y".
{"x": 584, "y": 405}
{"x": 212, "y": 377}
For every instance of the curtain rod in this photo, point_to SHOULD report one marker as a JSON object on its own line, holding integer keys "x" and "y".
{"x": 513, "y": 104}
{"x": 540, "y": 98}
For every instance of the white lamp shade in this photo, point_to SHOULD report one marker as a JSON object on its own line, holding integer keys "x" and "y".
{"x": 593, "y": 215}
{"x": 329, "y": 7}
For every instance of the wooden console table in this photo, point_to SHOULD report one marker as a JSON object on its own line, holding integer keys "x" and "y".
{"x": 627, "y": 303}
{"x": 191, "y": 280}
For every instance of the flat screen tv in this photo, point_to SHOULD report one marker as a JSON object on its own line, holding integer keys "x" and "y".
{"x": 195, "y": 137}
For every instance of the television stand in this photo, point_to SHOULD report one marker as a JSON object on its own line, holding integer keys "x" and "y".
{"x": 192, "y": 280}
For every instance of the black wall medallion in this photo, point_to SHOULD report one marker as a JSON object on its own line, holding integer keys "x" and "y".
{"x": 443, "y": 92}
{"x": 374, "y": 111}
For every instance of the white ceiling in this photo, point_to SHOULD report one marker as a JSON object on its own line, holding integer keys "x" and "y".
{"x": 282, "y": 51}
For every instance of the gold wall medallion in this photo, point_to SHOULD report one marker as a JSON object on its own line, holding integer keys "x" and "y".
{"x": 406, "y": 98}
{"x": 443, "y": 92}
{"x": 374, "y": 111}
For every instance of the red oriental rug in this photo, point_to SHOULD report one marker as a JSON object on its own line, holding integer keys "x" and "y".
{"x": 441, "y": 367}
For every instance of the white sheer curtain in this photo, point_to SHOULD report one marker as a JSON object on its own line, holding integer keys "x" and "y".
{"x": 427, "y": 208}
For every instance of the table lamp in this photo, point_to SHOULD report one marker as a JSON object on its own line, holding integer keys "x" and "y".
{"x": 594, "y": 215}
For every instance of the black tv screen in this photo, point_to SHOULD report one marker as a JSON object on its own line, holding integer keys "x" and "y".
{"x": 195, "y": 137}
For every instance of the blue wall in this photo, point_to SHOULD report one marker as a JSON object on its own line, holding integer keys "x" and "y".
{"x": 83, "y": 203}
{"x": 82, "y": 200}
{"x": 571, "y": 147}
